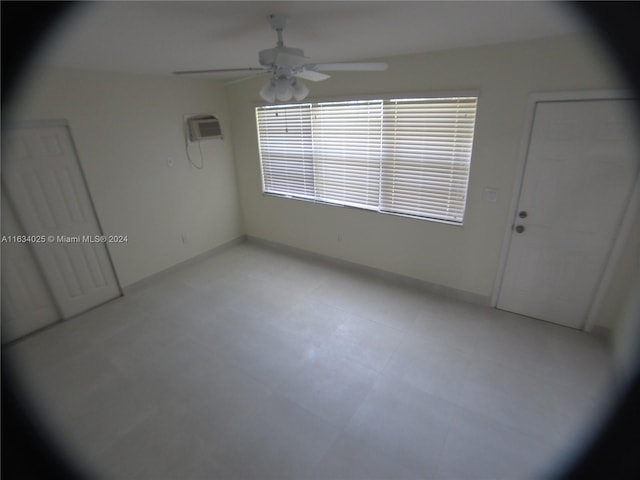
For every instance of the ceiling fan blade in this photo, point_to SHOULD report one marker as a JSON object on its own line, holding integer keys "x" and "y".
{"x": 312, "y": 75}
{"x": 220, "y": 70}
{"x": 244, "y": 79}
{"x": 345, "y": 67}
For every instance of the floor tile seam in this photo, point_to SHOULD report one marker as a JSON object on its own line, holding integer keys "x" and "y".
{"x": 101, "y": 342}
{"x": 298, "y": 267}
{"x": 504, "y": 394}
{"x": 292, "y": 300}
{"x": 26, "y": 368}
{"x": 271, "y": 387}
{"x": 361, "y": 317}
{"x": 157, "y": 286}
{"x": 147, "y": 367}
{"x": 288, "y": 284}
{"x": 205, "y": 288}
{"x": 358, "y": 315}
{"x": 465, "y": 350}
{"x": 324, "y": 299}
{"x": 135, "y": 346}
{"x": 338, "y": 425}
{"x": 370, "y": 370}
{"x": 268, "y": 321}
{"x": 262, "y": 315}
{"x": 300, "y": 335}
{"x": 214, "y": 367}
{"x": 211, "y": 347}
{"x": 408, "y": 341}
{"x": 53, "y": 328}
{"x": 589, "y": 394}
{"x": 225, "y": 363}
{"x": 98, "y": 450}
{"x": 131, "y": 428}
{"x": 316, "y": 293}
{"x": 423, "y": 317}
{"x": 549, "y": 377}
{"x": 359, "y": 362}
{"x": 226, "y": 423}
{"x": 392, "y": 377}
{"x": 508, "y": 424}
{"x": 496, "y": 424}
{"x": 122, "y": 373}
{"x": 343, "y": 429}
{"x": 454, "y": 399}
{"x": 331, "y": 425}
{"x": 324, "y": 348}
{"x": 437, "y": 393}
{"x": 63, "y": 365}
{"x": 301, "y": 298}
{"x": 449, "y": 427}
{"x": 501, "y": 361}
{"x": 265, "y": 277}
{"x": 392, "y": 355}
{"x": 441, "y": 457}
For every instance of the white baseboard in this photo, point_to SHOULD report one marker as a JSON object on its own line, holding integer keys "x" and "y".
{"x": 449, "y": 292}
{"x": 129, "y": 289}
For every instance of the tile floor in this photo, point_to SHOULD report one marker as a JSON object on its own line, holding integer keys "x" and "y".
{"x": 258, "y": 364}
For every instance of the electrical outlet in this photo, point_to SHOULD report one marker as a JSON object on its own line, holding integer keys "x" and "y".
{"x": 170, "y": 162}
{"x": 185, "y": 240}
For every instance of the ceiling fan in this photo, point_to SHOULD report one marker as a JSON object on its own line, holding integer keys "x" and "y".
{"x": 287, "y": 66}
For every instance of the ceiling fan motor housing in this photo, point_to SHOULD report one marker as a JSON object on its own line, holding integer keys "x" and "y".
{"x": 282, "y": 57}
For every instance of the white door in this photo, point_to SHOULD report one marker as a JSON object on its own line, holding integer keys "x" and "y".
{"x": 580, "y": 170}
{"x": 27, "y": 304}
{"x": 42, "y": 177}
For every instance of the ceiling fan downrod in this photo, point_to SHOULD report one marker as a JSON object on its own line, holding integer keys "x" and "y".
{"x": 278, "y": 22}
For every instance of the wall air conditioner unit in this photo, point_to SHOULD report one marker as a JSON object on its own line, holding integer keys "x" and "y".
{"x": 203, "y": 127}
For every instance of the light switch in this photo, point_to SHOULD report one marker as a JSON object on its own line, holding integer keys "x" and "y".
{"x": 490, "y": 194}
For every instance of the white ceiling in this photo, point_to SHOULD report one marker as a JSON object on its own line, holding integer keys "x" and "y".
{"x": 161, "y": 37}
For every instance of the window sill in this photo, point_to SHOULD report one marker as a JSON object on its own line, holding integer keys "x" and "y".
{"x": 362, "y": 209}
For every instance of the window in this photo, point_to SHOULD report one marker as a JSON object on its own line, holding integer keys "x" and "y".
{"x": 407, "y": 156}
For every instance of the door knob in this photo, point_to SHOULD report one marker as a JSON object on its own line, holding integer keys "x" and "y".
{"x": 523, "y": 214}
{"x": 520, "y": 228}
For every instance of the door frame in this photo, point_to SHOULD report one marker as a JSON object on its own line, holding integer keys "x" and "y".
{"x": 619, "y": 240}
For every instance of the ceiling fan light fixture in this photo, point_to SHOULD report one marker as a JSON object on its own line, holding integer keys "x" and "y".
{"x": 284, "y": 89}
{"x": 268, "y": 92}
{"x": 300, "y": 90}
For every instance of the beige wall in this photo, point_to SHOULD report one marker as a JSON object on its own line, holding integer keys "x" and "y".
{"x": 464, "y": 258}
{"x": 125, "y": 127}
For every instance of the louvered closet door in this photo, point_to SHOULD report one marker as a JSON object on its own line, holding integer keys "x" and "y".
{"x": 42, "y": 177}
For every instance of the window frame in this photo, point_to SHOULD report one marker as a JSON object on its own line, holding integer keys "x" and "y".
{"x": 385, "y": 97}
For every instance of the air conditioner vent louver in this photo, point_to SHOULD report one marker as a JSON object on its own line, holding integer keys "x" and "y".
{"x": 203, "y": 127}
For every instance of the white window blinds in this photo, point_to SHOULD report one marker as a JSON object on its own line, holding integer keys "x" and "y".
{"x": 284, "y": 134}
{"x": 407, "y": 156}
{"x": 347, "y": 151}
